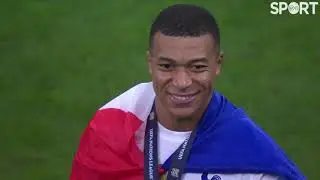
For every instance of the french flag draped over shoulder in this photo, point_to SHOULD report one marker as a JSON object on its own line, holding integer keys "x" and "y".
{"x": 227, "y": 141}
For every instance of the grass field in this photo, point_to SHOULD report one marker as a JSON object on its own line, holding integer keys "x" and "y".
{"x": 61, "y": 60}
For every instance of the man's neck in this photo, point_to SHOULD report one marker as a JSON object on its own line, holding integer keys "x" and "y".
{"x": 176, "y": 124}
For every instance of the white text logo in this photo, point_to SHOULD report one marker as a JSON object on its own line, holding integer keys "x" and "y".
{"x": 293, "y": 7}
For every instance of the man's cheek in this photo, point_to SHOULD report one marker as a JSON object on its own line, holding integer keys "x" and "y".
{"x": 163, "y": 82}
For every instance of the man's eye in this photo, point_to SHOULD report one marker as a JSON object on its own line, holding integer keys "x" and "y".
{"x": 199, "y": 67}
{"x": 165, "y": 66}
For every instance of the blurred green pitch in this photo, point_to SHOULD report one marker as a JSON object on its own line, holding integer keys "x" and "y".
{"x": 61, "y": 60}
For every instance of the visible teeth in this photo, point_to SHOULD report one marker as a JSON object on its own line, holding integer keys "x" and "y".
{"x": 183, "y": 98}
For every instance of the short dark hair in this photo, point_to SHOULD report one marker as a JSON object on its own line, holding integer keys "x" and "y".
{"x": 185, "y": 20}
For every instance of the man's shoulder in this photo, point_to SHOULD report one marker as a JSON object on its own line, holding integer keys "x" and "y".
{"x": 136, "y": 100}
{"x": 241, "y": 144}
{"x": 229, "y": 115}
{"x": 133, "y": 97}
{"x": 120, "y": 118}
{"x": 236, "y": 125}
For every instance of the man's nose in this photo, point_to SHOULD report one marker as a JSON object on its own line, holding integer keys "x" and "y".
{"x": 182, "y": 79}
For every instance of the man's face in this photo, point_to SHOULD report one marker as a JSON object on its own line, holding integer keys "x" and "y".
{"x": 183, "y": 70}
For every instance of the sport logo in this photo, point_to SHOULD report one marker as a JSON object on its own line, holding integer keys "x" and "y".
{"x": 294, "y": 7}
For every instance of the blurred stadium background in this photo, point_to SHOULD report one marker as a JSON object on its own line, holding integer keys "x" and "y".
{"x": 61, "y": 60}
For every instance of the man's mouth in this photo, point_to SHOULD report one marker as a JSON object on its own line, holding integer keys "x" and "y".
{"x": 182, "y": 99}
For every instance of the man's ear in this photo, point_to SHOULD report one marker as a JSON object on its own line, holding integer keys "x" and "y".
{"x": 148, "y": 54}
{"x": 220, "y": 58}
{"x": 219, "y": 63}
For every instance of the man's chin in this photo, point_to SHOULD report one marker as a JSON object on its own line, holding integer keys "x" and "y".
{"x": 182, "y": 113}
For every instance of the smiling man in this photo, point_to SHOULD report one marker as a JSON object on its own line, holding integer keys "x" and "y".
{"x": 178, "y": 126}
{"x": 183, "y": 69}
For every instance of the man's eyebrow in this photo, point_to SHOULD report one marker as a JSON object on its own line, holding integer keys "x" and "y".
{"x": 198, "y": 60}
{"x": 192, "y": 61}
{"x": 163, "y": 58}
